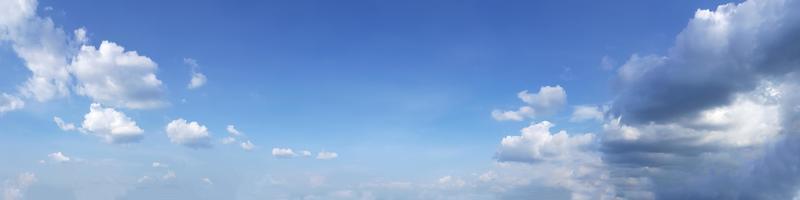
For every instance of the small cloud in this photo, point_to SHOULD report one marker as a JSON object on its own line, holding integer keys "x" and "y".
{"x": 584, "y": 112}
{"x": 283, "y": 153}
{"x": 247, "y": 145}
{"x": 111, "y": 125}
{"x": 10, "y": 102}
{"x": 511, "y": 115}
{"x": 144, "y": 179}
{"x": 58, "y": 157}
{"x": 198, "y": 79}
{"x": 63, "y": 125}
{"x": 207, "y": 181}
{"x": 305, "y": 153}
{"x": 160, "y": 165}
{"x": 232, "y": 130}
{"x": 325, "y": 155}
{"x": 228, "y": 140}
{"x": 169, "y": 175}
{"x": 190, "y": 134}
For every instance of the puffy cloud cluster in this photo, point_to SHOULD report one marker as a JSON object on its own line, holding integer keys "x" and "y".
{"x": 548, "y": 100}
{"x": 714, "y": 118}
{"x": 190, "y": 134}
{"x": 111, "y": 125}
{"x": 108, "y": 74}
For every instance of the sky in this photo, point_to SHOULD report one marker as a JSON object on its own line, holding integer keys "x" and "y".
{"x": 399, "y": 99}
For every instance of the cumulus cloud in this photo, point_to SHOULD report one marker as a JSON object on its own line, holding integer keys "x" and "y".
{"x": 10, "y": 102}
{"x": 110, "y": 75}
{"x": 59, "y": 63}
{"x": 714, "y": 118}
{"x": 14, "y": 189}
{"x": 283, "y": 152}
{"x": 232, "y": 130}
{"x": 584, "y": 112}
{"x": 198, "y": 79}
{"x": 548, "y": 99}
{"x": 111, "y": 125}
{"x": 327, "y": 155}
{"x": 63, "y": 125}
{"x": 190, "y": 134}
{"x": 247, "y": 145}
{"x": 58, "y": 157}
{"x": 511, "y": 115}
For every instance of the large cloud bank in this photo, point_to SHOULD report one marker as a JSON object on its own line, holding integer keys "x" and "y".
{"x": 714, "y": 118}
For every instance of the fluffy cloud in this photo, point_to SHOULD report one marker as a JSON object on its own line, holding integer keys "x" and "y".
{"x": 15, "y": 189}
{"x": 198, "y": 79}
{"x": 113, "y": 76}
{"x": 232, "y": 130}
{"x": 190, "y": 134}
{"x": 58, "y": 157}
{"x": 41, "y": 45}
{"x": 584, "y": 112}
{"x": 283, "y": 152}
{"x": 247, "y": 145}
{"x": 511, "y": 115}
{"x": 548, "y": 99}
{"x": 326, "y": 155}
{"x": 537, "y": 144}
{"x": 714, "y": 118}
{"x": 64, "y": 126}
{"x": 9, "y": 103}
{"x": 111, "y": 125}
{"x": 59, "y": 63}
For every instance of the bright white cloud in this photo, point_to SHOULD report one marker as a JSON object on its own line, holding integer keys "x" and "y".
{"x": 58, "y": 157}
{"x": 190, "y": 134}
{"x": 283, "y": 152}
{"x": 232, "y": 130}
{"x": 198, "y": 79}
{"x": 14, "y": 189}
{"x": 113, "y": 76}
{"x": 585, "y": 112}
{"x": 63, "y": 125}
{"x": 10, "y": 102}
{"x": 326, "y": 155}
{"x": 511, "y": 115}
{"x": 247, "y": 145}
{"x": 548, "y": 99}
{"x": 111, "y": 125}
{"x": 537, "y": 143}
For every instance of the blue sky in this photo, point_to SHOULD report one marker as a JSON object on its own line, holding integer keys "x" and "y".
{"x": 391, "y": 99}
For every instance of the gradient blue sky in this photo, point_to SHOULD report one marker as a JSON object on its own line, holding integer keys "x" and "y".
{"x": 402, "y": 91}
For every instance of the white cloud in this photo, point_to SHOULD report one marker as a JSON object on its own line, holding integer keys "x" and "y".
{"x": 326, "y": 155}
{"x": 228, "y": 140}
{"x": 113, "y": 76}
{"x": 247, "y": 145}
{"x": 190, "y": 134}
{"x": 58, "y": 157}
{"x": 207, "y": 181}
{"x": 111, "y": 125}
{"x": 169, "y": 175}
{"x": 232, "y": 130}
{"x": 63, "y": 125}
{"x": 159, "y": 165}
{"x": 41, "y": 45}
{"x": 283, "y": 152}
{"x": 548, "y": 99}
{"x": 537, "y": 143}
{"x": 15, "y": 189}
{"x": 510, "y": 115}
{"x": 10, "y": 102}
{"x": 305, "y": 153}
{"x": 586, "y": 112}
{"x": 198, "y": 79}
